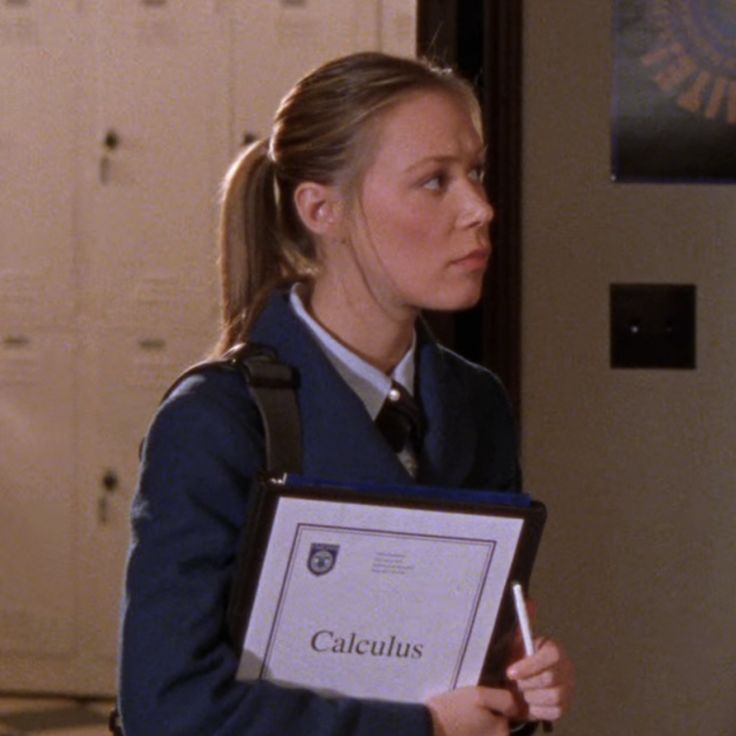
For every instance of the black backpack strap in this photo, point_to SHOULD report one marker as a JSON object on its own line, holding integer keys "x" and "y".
{"x": 273, "y": 386}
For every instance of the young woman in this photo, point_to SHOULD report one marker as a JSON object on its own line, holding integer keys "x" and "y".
{"x": 365, "y": 206}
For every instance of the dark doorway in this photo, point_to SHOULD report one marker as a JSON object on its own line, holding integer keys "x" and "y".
{"x": 482, "y": 40}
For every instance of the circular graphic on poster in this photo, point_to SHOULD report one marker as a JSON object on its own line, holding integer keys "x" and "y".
{"x": 673, "y": 111}
{"x": 694, "y": 55}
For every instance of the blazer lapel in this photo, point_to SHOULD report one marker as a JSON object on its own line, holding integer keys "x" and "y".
{"x": 450, "y": 441}
{"x": 339, "y": 438}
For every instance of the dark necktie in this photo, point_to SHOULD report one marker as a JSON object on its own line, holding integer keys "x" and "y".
{"x": 400, "y": 420}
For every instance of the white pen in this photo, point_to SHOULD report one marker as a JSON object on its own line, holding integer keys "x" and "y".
{"x": 526, "y": 631}
{"x": 523, "y": 616}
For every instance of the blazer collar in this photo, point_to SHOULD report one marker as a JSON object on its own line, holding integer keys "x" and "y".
{"x": 339, "y": 438}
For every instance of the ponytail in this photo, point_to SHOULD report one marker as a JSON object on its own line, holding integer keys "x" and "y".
{"x": 255, "y": 254}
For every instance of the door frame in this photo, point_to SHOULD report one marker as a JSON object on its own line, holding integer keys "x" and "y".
{"x": 483, "y": 41}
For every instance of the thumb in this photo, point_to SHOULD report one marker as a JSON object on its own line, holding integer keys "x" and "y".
{"x": 498, "y": 701}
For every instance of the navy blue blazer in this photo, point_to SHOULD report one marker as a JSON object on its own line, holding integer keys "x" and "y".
{"x": 205, "y": 443}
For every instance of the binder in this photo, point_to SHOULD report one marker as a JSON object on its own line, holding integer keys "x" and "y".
{"x": 379, "y": 591}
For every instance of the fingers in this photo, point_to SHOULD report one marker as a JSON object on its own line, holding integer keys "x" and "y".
{"x": 546, "y": 704}
{"x": 544, "y": 681}
{"x": 547, "y": 656}
{"x": 472, "y": 711}
{"x": 546, "y": 713}
{"x": 548, "y": 697}
{"x": 498, "y": 701}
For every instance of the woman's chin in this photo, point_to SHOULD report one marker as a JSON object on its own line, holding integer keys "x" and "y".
{"x": 454, "y": 302}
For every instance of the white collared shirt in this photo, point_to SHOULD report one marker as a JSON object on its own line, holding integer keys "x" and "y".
{"x": 369, "y": 383}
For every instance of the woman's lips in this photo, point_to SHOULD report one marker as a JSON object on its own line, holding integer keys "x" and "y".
{"x": 477, "y": 258}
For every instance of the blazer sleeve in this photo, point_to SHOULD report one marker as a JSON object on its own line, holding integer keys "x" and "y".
{"x": 501, "y": 438}
{"x": 497, "y": 453}
{"x": 177, "y": 670}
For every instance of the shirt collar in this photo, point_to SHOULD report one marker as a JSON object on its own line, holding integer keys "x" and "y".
{"x": 369, "y": 383}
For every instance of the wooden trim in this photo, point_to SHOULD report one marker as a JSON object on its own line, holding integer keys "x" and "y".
{"x": 437, "y": 30}
{"x": 491, "y": 333}
{"x": 502, "y": 105}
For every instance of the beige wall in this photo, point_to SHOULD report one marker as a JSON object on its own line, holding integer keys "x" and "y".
{"x": 638, "y": 568}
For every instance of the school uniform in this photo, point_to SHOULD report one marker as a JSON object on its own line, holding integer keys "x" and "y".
{"x": 204, "y": 446}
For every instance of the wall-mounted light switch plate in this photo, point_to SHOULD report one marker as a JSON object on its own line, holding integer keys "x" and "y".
{"x": 652, "y": 325}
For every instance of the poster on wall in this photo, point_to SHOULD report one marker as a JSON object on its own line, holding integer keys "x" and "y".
{"x": 674, "y": 91}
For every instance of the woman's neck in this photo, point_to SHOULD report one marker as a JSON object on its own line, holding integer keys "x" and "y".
{"x": 376, "y": 334}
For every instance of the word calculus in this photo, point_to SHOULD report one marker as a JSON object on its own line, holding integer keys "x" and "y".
{"x": 324, "y": 641}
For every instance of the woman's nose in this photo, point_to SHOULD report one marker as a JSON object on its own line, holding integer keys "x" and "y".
{"x": 476, "y": 211}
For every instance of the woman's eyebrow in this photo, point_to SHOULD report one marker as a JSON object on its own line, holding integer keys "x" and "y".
{"x": 430, "y": 160}
{"x": 445, "y": 159}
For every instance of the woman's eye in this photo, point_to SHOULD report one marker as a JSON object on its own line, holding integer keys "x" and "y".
{"x": 478, "y": 173}
{"x": 436, "y": 182}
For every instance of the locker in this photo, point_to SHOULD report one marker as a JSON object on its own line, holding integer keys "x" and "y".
{"x": 123, "y": 375}
{"x": 40, "y": 58}
{"x": 154, "y": 164}
{"x": 122, "y": 119}
{"x": 37, "y": 508}
{"x": 306, "y": 34}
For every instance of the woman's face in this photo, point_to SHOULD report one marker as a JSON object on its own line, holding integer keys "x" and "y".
{"x": 419, "y": 228}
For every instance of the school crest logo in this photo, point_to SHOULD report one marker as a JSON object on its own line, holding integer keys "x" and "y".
{"x": 322, "y": 558}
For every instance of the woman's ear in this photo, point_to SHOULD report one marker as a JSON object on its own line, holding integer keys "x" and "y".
{"x": 320, "y": 207}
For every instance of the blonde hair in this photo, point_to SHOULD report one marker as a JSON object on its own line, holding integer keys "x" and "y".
{"x": 321, "y": 133}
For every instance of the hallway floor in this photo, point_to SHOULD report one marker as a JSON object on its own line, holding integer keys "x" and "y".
{"x": 21, "y": 716}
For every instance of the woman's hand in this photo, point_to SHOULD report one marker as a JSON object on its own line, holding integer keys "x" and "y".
{"x": 545, "y": 682}
{"x": 473, "y": 711}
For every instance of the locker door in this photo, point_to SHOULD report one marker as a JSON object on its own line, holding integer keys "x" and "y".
{"x": 148, "y": 287}
{"x": 306, "y": 34}
{"x": 124, "y": 373}
{"x": 155, "y": 164}
{"x": 37, "y": 511}
{"x": 39, "y": 58}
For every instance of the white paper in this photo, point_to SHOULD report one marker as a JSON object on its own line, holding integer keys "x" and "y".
{"x": 400, "y": 603}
